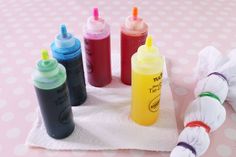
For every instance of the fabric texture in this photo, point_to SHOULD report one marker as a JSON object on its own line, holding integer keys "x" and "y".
{"x": 103, "y": 123}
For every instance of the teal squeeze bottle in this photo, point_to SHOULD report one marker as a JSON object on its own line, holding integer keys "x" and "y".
{"x": 67, "y": 50}
{"x": 49, "y": 79}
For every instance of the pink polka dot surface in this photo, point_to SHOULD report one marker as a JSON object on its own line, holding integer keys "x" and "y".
{"x": 180, "y": 28}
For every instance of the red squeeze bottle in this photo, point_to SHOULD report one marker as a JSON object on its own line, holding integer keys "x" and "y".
{"x": 133, "y": 34}
{"x": 97, "y": 48}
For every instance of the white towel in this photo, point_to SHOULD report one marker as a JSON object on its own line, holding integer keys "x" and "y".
{"x": 103, "y": 123}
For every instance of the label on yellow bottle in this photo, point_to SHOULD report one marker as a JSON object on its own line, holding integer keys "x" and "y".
{"x": 146, "y": 93}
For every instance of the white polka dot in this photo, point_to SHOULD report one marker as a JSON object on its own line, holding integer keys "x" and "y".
{"x": 183, "y": 61}
{"x": 20, "y": 150}
{"x": 5, "y": 70}
{"x": 223, "y": 150}
{"x": 35, "y": 30}
{"x": 189, "y": 80}
{"x": 24, "y": 36}
{"x": 171, "y": 51}
{"x": 13, "y": 133}
{"x": 10, "y": 44}
{"x": 164, "y": 24}
{"x": 28, "y": 44}
{"x": 18, "y": 91}
{"x": 176, "y": 70}
{"x": 167, "y": 36}
{"x": 230, "y": 133}
{"x": 3, "y": 60}
{"x": 20, "y": 61}
{"x": 158, "y": 30}
{"x": 10, "y": 80}
{"x": 27, "y": 70}
{"x": 178, "y": 44}
{"x": 30, "y": 117}
{"x": 7, "y": 37}
{"x": 24, "y": 103}
{"x": 186, "y": 36}
{"x": 15, "y": 52}
{"x": 160, "y": 44}
{"x": 233, "y": 117}
{"x": 181, "y": 91}
{"x": 191, "y": 52}
{"x": 41, "y": 36}
{"x": 1, "y": 148}
{"x": 204, "y": 36}
{"x": 197, "y": 44}
{"x": 19, "y": 31}
{"x": 3, "y": 103}
{"x": 8, "y": 116}
{"x": 192, "y": 30}
{"x": 174, "y": 30}
{"x": 208, "y": 30}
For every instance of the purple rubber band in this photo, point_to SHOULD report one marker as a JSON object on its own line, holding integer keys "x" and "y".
{"x": 219, "y": 74}
{"x": 187, "y": 146}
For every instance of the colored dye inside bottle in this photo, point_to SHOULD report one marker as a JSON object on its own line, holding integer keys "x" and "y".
{"x": 50, "y": 85}
{"x": 147, "y": 67}
{"x": 97, "y": 48}
{"x": 133, "y": 34}
{"x": 67, "y": 50}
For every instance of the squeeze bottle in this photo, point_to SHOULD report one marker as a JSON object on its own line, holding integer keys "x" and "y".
{"x": 67, "y": 50}
{"x": 133, "y": 34}
{"x": 49, "y": 80}
{"x": 97, "y": 48}
{"x": 147, "y": 65}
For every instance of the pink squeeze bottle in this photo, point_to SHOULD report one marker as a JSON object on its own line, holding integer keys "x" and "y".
{"x": 97, "y": 48}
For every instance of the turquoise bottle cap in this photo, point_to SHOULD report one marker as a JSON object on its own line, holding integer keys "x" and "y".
{"x": 64, "y": 39}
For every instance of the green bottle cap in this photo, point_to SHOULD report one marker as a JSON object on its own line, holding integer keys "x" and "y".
{"x": 48, "y": 74}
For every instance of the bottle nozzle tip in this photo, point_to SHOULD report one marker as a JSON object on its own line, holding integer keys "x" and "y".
{"x": 148, "y": 42}
{"x": 135, "y": 12}
{"x": 95, "y": 13}
{"x": 44, "y": 54}
{"x": 63, "y": 30}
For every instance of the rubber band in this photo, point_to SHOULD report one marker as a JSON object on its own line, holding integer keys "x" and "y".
{"x": 221, "y": 75}
{"x": 188, "y": 146}
{"x": 199, "y": 124}
{"x": 209, "y": 94}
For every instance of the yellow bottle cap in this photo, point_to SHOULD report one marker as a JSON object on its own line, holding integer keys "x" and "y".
{"x": 148, "y": 52}
{"x": 44, "y": 55}
{"x": 148, "y": 42}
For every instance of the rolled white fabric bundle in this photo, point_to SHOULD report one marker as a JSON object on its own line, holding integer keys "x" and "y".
{"x": 207, "y": 113}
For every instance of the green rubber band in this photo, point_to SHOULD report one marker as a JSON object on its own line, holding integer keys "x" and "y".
{"x": 209, "y": 94}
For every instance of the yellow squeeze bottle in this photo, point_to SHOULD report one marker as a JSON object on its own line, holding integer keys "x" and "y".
{"x": 147, "y": 65}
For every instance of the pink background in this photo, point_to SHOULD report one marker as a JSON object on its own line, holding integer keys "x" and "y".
{"x": 180, "y": 29}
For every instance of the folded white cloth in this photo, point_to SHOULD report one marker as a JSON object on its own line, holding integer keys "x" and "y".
{"x": 103, "y": 123}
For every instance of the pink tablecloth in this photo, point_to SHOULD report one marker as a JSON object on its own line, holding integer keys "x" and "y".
{"x": 180, "y": 29}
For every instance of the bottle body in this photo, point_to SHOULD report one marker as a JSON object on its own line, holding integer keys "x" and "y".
{"x": 147, "y": 65}
{"x": 98, "y": 60}
{"x": 129, "y": 45}
{"x": 49, "y": 80}
{"x": 146, "y": 92}
{"x": 71, "y": 58}
{"x": 56, "y": 111}
{"x": 75, "y": 79}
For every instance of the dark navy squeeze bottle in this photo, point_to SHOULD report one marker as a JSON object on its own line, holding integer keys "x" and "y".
{"x": 50, "y": 85}
{"x": 67, "y": 50}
